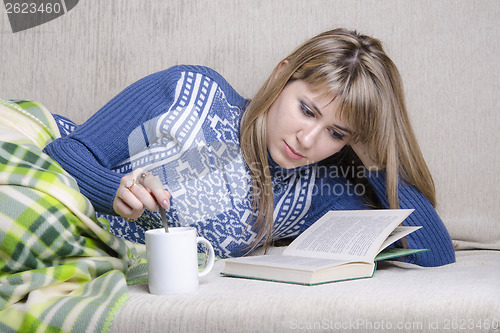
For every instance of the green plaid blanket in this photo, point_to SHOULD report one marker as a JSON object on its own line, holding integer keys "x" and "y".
{"x": 61, "y": 270}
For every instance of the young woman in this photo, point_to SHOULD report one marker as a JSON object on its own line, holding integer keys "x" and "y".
{"x": 328, "y": 130}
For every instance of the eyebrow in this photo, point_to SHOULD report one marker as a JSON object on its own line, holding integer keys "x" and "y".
{"x": 343, "y": 129}
{"x": 316, "y": 109}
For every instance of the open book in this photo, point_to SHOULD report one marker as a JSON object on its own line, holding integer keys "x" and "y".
{"x": 341, "y": 245}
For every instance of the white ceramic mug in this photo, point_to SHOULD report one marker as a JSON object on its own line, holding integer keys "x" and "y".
{"x": 173, "y": 260}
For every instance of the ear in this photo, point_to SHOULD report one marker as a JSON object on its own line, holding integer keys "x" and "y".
{"x": 282, "y": 65}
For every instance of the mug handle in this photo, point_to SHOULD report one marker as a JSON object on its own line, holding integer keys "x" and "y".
{"x": 211, "y": 256}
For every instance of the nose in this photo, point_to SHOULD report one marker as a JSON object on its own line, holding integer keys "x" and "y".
{"x": 307, "y": 136}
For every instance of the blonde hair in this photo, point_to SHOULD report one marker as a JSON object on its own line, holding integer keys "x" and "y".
{"x": 356, "y": 69}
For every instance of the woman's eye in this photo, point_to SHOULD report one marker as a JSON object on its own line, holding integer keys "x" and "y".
{"x": 337, "y": 135}
{"x": 306, "y": 110}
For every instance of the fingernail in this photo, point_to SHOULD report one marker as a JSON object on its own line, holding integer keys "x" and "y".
{"x": 166, "y": 204}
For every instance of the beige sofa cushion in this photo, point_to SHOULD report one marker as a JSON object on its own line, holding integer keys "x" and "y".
{"x": 399, "y": 297}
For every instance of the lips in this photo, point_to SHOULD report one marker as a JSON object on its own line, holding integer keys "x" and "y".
{"x": 291, "y": 153}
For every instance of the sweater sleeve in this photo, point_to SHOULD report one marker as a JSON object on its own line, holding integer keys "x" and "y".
{"x": 433, "y": 234}
{"x": 93, "y": 148}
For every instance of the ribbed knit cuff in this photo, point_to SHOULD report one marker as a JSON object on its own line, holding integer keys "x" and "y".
{"x": 97, "y": 183}
{"x": 433, "y": 234}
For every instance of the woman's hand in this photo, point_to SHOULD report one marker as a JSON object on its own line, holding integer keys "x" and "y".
{"x": 135, "y": 194}
{"x": 364, "y": 155}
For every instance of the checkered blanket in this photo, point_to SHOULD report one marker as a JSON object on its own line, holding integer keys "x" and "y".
{"x": 61, "y": 270}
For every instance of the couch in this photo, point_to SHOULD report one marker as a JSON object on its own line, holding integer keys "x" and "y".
{"x": 448, "y": 55}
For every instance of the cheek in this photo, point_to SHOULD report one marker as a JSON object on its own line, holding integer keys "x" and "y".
{"x": 285, "y": 122}
{"x": 274, "y": 115}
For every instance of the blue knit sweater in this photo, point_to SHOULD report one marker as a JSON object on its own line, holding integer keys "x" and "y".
{"x": 182, "y": 124}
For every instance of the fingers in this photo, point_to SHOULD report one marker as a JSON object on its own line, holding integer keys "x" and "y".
{"x": 155, "y": 187}
{"x": 127, "y": 204}
{"x": 141, "y": 198}
{"x": 149, "y": 180}
{"x": 163, "y": 197}
{"x": 124, "y": 210}
{"x": 134, "y": 196}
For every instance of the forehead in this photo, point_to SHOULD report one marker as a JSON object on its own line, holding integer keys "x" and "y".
{"x": 318, "y": 91}
{"x": 322, "y": 98}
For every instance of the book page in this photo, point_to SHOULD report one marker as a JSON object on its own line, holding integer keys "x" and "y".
{"x": 289, "y": 262}
{"x": 348, "y": 235}
{"x": 396, "y": 234}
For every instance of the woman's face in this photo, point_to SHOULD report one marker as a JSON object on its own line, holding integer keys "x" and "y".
{"x": 303, "y": 127}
